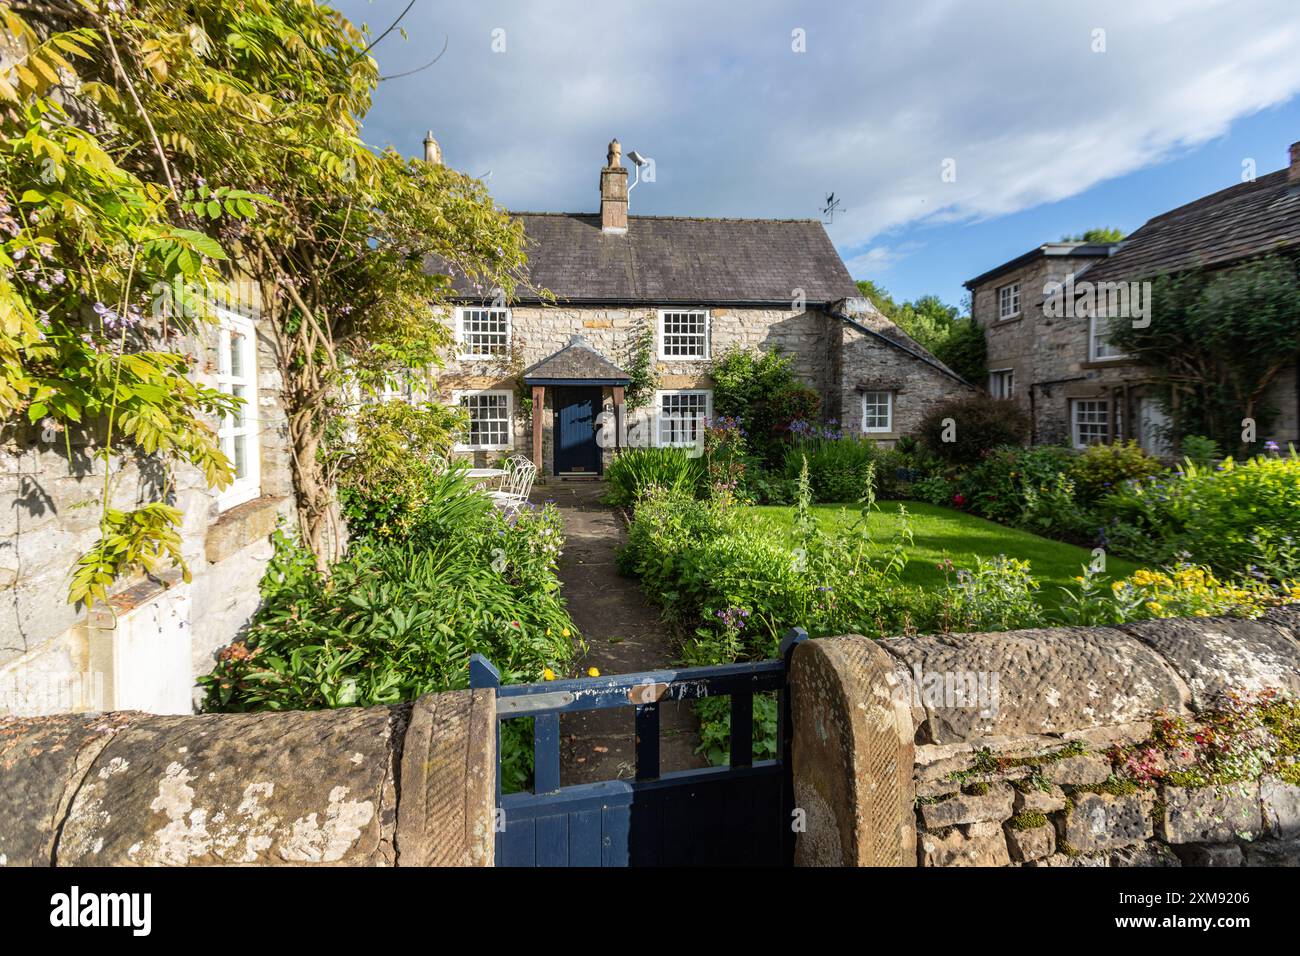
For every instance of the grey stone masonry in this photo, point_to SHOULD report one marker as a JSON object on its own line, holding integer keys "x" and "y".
{"x": 1036, "y": 771}
{"x": 829, "y": 355}
{"x": 52, "y": 653}
{"x": 410, "y": 785}
{"x": 1053, "y": 363}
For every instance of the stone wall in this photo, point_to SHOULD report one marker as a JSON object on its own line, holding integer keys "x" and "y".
{"x": 865, "y": 363}
{"x": 828, "y": 355}
{"x": 51, "y": 652}
{"x": 410, "y": 785}
{"x": 1053, "y": 366}
{"x": 1001, "y": 749}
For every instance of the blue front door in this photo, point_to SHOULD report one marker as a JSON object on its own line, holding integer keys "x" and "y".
{"x": 576, "y": 451}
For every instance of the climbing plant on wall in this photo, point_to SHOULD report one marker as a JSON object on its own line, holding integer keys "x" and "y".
{"x": 85, "y": 245}
{"x": 207, "y": 99}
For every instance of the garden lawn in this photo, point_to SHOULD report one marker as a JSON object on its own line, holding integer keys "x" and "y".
{"x": 940, "y": 532}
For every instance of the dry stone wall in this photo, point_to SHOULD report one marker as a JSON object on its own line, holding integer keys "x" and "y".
{"x": 1019, "y": 748}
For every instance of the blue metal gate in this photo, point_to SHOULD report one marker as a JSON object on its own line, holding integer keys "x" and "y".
{"x": 734, "y": 815}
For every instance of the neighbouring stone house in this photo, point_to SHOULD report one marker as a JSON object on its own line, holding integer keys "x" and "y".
{"x": 144, "y": 649}
{"x": 1058, "y": 364}
{"x": 703, "y": 286}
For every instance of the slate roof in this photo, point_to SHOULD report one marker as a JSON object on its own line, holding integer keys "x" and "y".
{"x": 673, "y": 260}
{"x": 577, "y": 360}
{"x": 1245, "y": 220}
{"x": 1048, "y": 249}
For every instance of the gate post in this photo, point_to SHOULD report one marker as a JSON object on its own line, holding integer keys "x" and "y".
{"x": 851, "y": 755}
{"x": 482, "y": 675}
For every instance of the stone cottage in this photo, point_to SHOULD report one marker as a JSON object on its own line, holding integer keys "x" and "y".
{"x": 699, "y": 287}
{"x": 1045, "y": 314}
{"x": 143, "y": 649}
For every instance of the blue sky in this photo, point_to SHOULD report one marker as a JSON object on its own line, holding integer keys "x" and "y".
{"x": 1055, "y": 117}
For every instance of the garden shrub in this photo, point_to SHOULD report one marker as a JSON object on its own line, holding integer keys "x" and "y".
{"x": 634, "y": 470}
{"x": 388, "y": 463}
{"x": 1201, "y": 450}
{"x": 996, "y": 595}
{"x": 1099, "y": 468}
{"x": 996, "y": 485}
{"x": 392, "y": 622}
{"x": 1183, "y": 591}
{"x": 762, "y": 390}
{"x": 839, "y": 465}
{"x": 1235, "y": 518}
{"x": 979, "y": 424}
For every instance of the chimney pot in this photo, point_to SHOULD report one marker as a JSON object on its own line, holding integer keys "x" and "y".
{"x": 613, "y": 191}
{"x": 432, "y": 152}
{"x": 1293, "y": 171}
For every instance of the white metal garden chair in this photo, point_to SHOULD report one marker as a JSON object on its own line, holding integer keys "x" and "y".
{"x": 516, "y": 483}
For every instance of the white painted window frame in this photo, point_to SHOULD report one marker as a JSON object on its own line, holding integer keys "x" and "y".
{"x": 1011, "y": 382}
{"x": 708, "y": 335}
{"x": 660, "y": 418}
{"x": 459, "y": 394}
{"x": 1096, "y": 342}
{"x": 889, "y": 411}
{"x": 249, "y": 486}
{"x": 1075, "y": 408}
{"x": 464, "y": 354}
{"x": 1013, "y": 296}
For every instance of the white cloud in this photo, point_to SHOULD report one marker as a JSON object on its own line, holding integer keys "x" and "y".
{"x": 740, "y": 125}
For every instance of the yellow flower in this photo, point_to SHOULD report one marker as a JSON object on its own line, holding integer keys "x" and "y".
{"x": 548, "y": 674}
{"x": 1155, "y": 607}
{"x": 1078, "y": 578}
{"x": 564, "y": 633}
{"x": 593, "y": 671}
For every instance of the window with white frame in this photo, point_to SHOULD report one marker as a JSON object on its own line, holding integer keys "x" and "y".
{"x": 1100, "y": 348}
{"x": 877, "y": 411}
{"x": 1002, "y": 382}
{"x": 1009, "y": 301}
{"x": 489, "y": 420}
{"x": 682, "y": 414}
{"x": 1090, "y": 418}
{"x": 238, "y": 431}
{"x": 683, "y": 335}
{"x": 483, "y": 333}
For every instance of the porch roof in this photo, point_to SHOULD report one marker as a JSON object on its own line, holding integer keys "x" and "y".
{"x": 575, "y": 364}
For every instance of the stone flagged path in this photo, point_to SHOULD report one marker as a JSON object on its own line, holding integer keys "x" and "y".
{"x": 624, "y": 633}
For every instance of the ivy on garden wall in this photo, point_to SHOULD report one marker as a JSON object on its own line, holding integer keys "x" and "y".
{"x": 85, "y": 245}
{"x": 1217, "y": 340}
{"x": 266, "y": 96}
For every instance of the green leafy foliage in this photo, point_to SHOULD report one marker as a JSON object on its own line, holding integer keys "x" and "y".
{"x": 840, "y": 467}
{"x": 974, "y": 424}
{"x": 761, "y": 391}
{"x": 88, "y": 242}
{"x": 395, "y": 621}
{"x": 1217, "y": 340}
{"x": 1233, "y": 517}
{"x": 939, "y": 328}
{"x": 1099, "y": 468}
{"x": 634, "y": 471}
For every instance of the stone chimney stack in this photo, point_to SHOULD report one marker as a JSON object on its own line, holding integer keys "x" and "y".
{"x": 432, "y": 154}
{"x": 613, "y": 191}
{"x": 1293, "y": 172}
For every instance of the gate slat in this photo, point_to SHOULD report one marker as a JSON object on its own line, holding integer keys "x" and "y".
{"x": 585, "y": 838}
{"x": 742, "y": 729}
{"x": 546, "y": 753}
{"x": 647, "y": 741}
{"x": 553, "y": 840}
